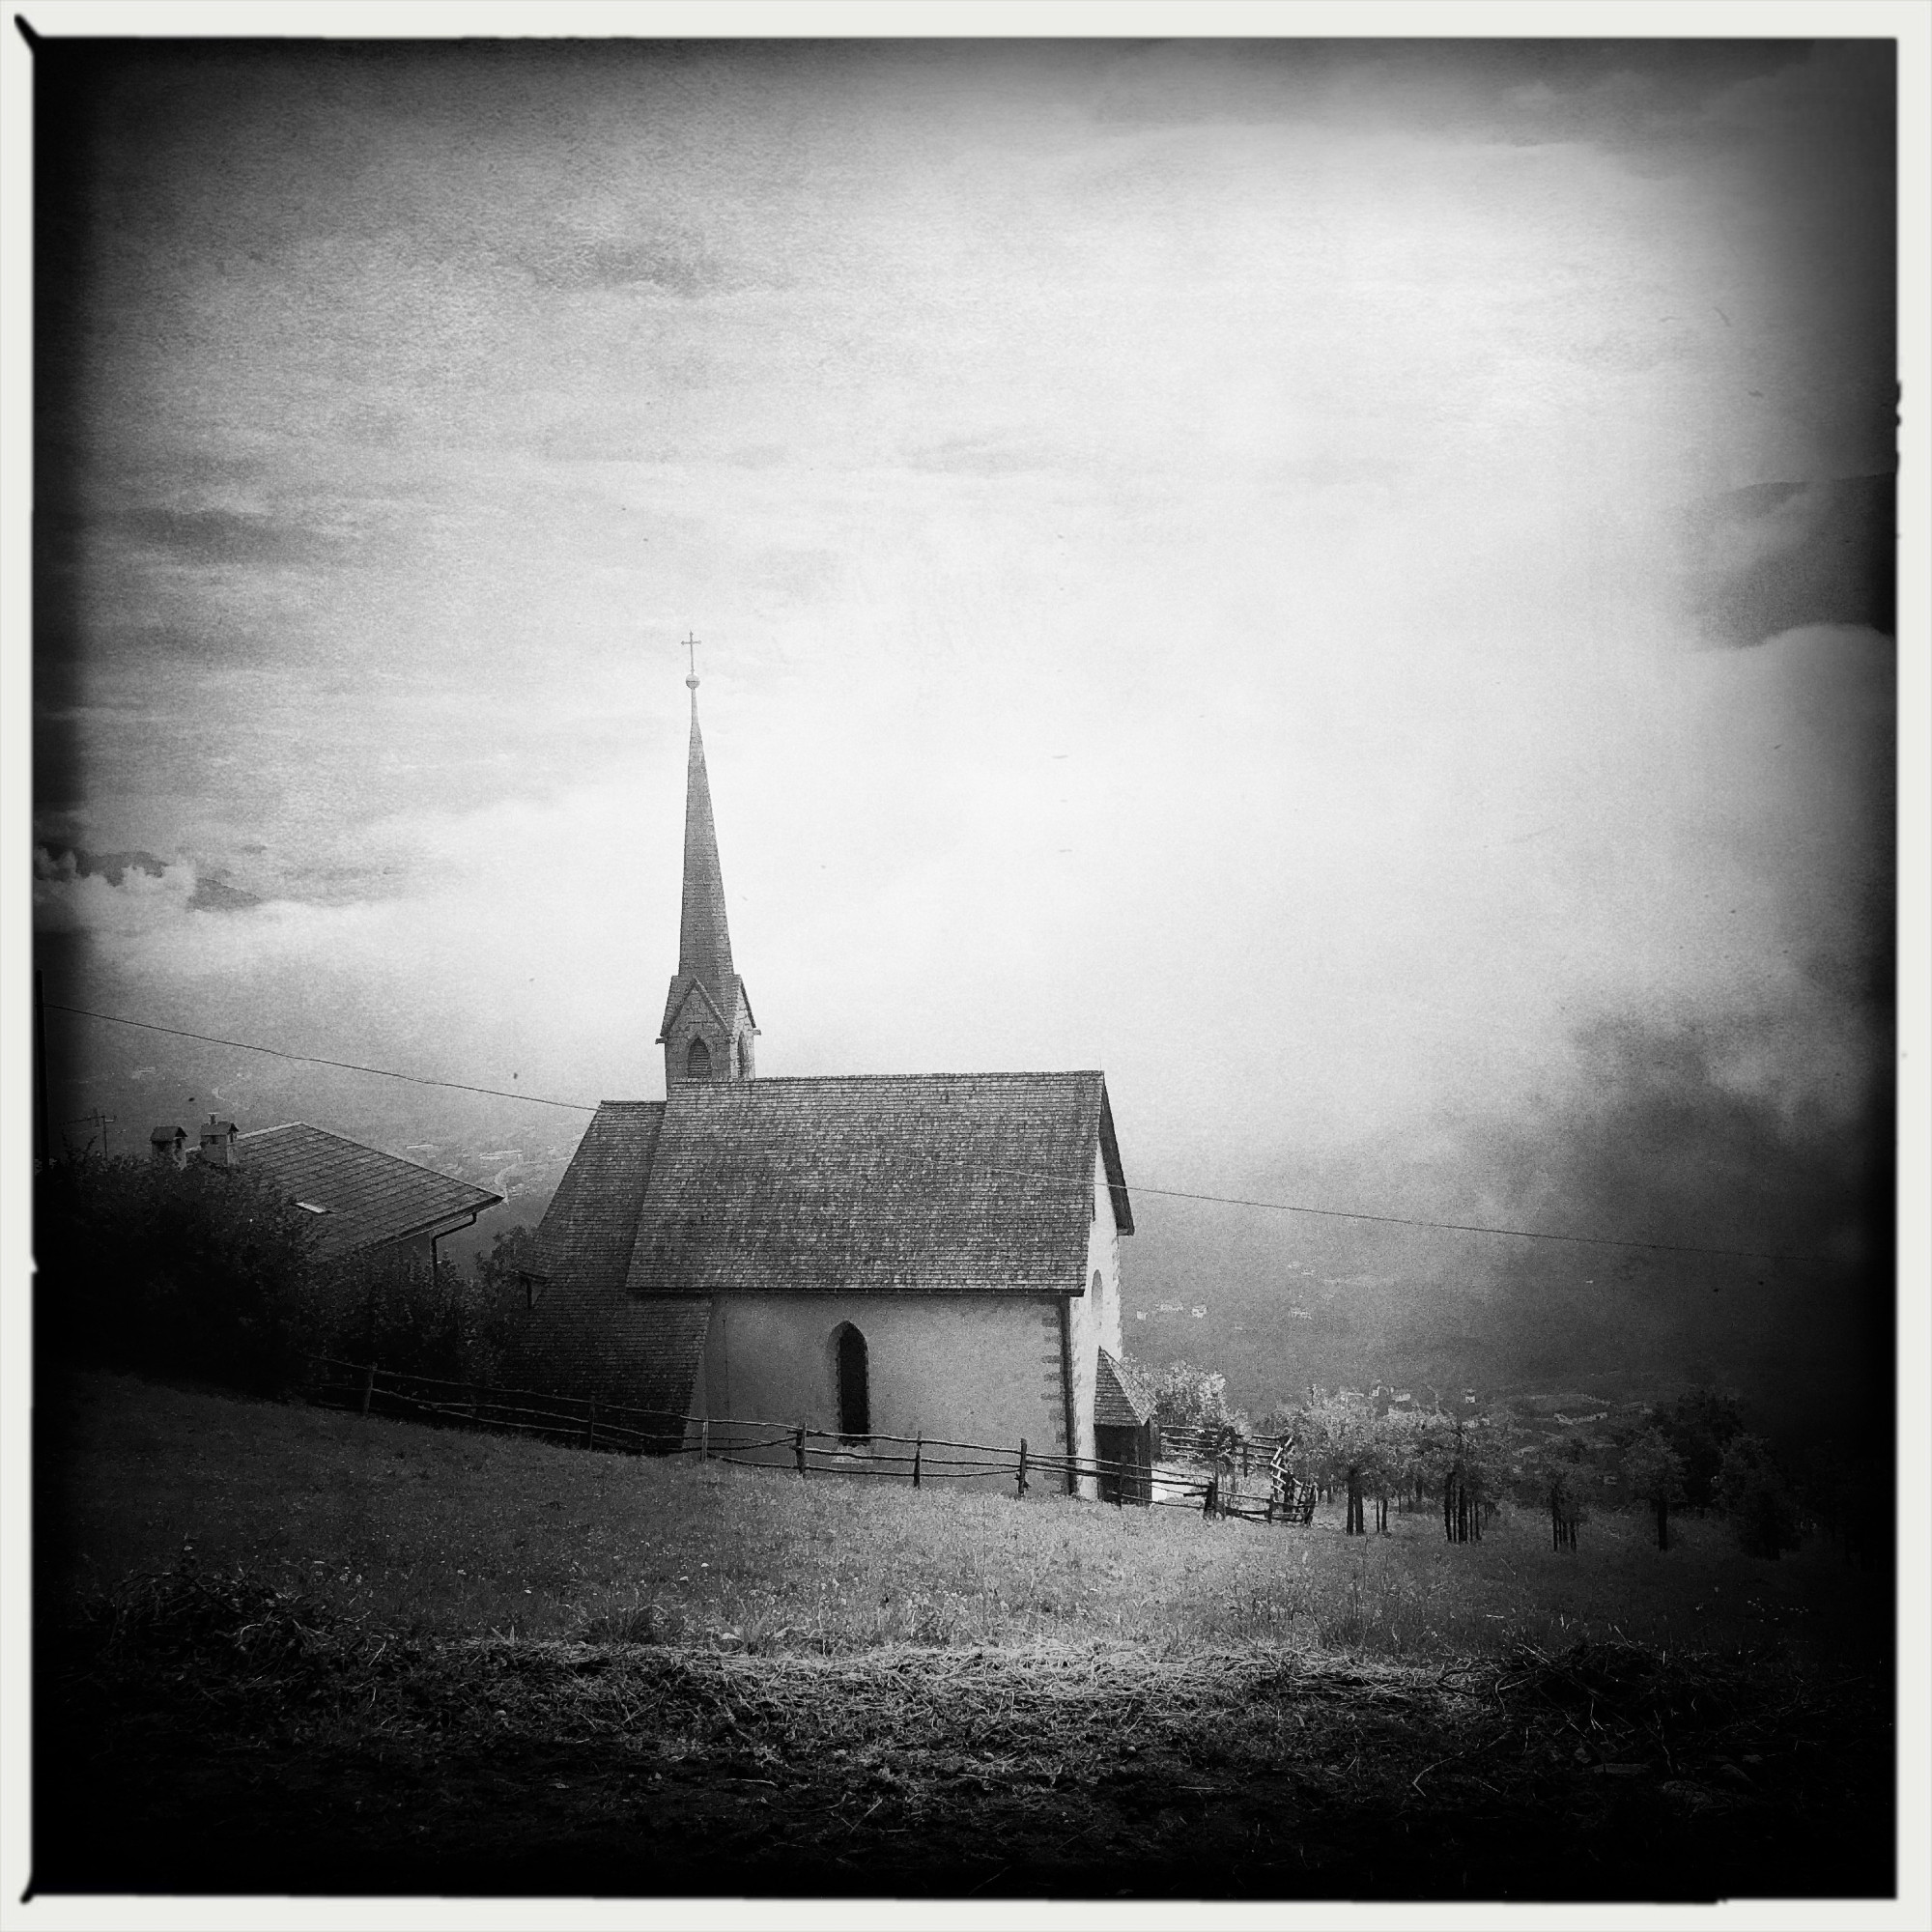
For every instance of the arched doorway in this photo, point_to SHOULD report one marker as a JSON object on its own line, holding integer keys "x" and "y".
{"x": 855, "y": 1395}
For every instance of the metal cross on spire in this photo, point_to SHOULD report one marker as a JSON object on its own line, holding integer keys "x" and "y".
{"x": 690, "y": 645}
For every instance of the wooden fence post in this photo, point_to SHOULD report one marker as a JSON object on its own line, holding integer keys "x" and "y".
{"x": 918, "y": 1449}
{"x": 1021, "y": 1489}
{"x": 798, "y": 1448}
{"x": 590, "y": 1429}
{"x": 1210, "y": 1502}
{"x": 368, "y": 1386}
{"x": 704, "y": 1440}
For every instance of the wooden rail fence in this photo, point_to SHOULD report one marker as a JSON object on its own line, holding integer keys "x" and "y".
{"x": 1200, "y": 1471}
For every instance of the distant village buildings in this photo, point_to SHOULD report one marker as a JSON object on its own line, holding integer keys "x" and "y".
{"x": 933, "y": 1255}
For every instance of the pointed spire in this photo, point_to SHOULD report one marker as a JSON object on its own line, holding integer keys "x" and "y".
{"x": 708, "y": 1028}
{"x": 703, "y": 938}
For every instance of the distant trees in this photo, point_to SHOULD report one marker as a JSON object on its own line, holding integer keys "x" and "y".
{"x": 1847, "y": 1486}
{"x": 1374, "y": 1447}
{"x": 1476, "y": 1458}
{"x": 1700, "y": 1425}
{"x": 1558, "y": 1473}
{"x": 1653, "y": 1473}
{"x": 1752, "y": 1490}
{"x": 1373, "y": 1451}
{"x": 1347, "y": 1442}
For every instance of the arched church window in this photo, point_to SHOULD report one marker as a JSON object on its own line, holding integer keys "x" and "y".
{"x": 697, "y": 1061}
{"x": 1099, "y": 1286}
{"x": 744, "y": 1058}
{"x": 855, "y": 1395}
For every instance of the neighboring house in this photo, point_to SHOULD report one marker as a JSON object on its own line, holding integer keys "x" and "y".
{"x": 370, "y": 1209}
{"x": 899, "y": 1255}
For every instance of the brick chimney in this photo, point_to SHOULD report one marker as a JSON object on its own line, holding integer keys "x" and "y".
{"x": 218, "y": 1143}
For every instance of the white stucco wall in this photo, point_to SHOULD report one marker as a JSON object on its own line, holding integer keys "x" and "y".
{"x": 969, "y": 1367}
{"x": 1095, "y": 1315}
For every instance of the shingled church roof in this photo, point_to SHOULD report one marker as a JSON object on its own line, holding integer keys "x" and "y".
{"x": 589, "y": 1230}
{"x": 974, "y": 1183}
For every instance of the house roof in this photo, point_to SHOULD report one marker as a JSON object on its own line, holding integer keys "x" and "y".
{"x": 366, "y": 1196}
{"x": 1115, "y": 1404}
{"x": 909, "y": 1184}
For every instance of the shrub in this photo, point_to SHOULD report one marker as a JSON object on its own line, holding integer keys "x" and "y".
{"x": 1187, "y": 1399}
{"x": 389, "y": 1309}
{"x": 195, "y": 1270}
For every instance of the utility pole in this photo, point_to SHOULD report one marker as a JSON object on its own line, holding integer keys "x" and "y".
{"x": 101, "y": 1123}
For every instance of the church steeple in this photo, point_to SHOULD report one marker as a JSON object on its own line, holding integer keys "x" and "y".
{"x": 708, "y": 1028}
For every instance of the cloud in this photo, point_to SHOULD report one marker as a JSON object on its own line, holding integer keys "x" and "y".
{"x": 222, "y": 537}
{"x": 138, "y": 898}
{"x": 1780, "y": 556}
{"x": 213, "y": 895}
{"x": 680, "y": 263}
{"x": 989, "y": 455}
{"x": 112, "y": 866}
{"x": 126, "y": 897}
{"x": 1620, "y": 94}
{"x": 1685, "y": 1135}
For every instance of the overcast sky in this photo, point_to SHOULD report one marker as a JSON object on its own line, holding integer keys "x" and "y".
{"x": 1249, "y": 566}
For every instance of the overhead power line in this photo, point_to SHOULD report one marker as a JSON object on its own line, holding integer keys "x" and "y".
{"x": 1460, "y": 1227}
{"x": 1030, "y": 1174}
{"x": 316, "y": 1060}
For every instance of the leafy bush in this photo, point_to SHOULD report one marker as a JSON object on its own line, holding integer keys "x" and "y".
{"x": 197, "y": 1270}
{"x": 393, "y": 1310}
{"x": 209, "y": 1272}
{"x": 1188, "y": 1398}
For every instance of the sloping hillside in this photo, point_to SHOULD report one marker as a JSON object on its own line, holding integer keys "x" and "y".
{"x": 293, "y": 1650}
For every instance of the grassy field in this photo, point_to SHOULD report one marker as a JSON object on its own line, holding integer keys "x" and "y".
{"x": 434, "y": 1531}
{"x": 294, "y": 1649}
